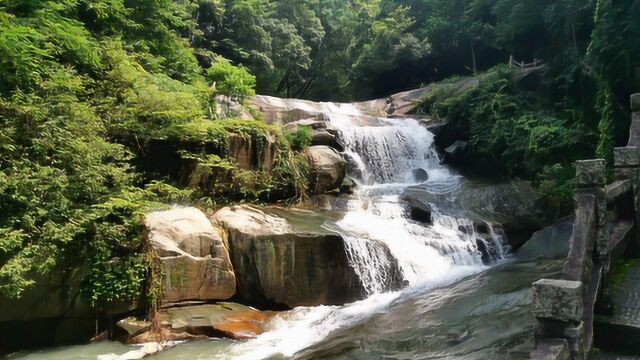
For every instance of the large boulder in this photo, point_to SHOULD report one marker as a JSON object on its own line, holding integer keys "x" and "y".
{"x": 286, "y": 258}
{"x": 328, "y": 168}
{"x": 195, "y": 258}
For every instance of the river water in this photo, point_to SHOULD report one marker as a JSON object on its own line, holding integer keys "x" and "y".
{"x": 452, "y": 306}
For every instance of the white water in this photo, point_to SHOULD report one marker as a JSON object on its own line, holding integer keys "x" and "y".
{"x": 386, "y": 153}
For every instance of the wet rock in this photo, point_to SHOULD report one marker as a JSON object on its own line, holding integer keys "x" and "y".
{"x": 287, "y": 258}
{"x": 455, "y": 153}
{"x": 328, "y": 168}
{"x": 347, "y": 186}
{"x": 421, "y": 215}
{"x": 515, "y": 206}
{"x": 550, "y": 242}
{"x": 229, "y": 320}
{"x": 352, "y": 167}
{"x": 420, "y": 175}
{"x": 133, "y": 327}
{"x": 164, "y": 334}
{"x": 327, "y": 137}
{"x": 551, "y": 349}
{"x": 195, "y": 258}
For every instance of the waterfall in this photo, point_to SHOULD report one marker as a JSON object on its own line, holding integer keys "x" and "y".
{"x": 384, "y": 156}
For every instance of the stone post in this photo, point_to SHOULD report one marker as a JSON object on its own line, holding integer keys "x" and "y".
{"x": 627, "y": 167}
{"x": 559, "y": 307}
{"x": 634, "y": 131}
{"x": 591, "y": 178}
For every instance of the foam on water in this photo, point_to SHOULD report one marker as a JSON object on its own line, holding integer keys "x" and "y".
{"x": 303, "y": 327}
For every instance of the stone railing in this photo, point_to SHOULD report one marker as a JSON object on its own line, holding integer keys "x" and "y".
{"x": 605, "y": 228}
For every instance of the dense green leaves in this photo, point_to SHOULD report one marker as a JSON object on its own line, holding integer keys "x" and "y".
{"x": 78, "y": 79}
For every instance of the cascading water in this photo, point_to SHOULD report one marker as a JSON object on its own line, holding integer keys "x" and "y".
{"x": 385, "y": 155}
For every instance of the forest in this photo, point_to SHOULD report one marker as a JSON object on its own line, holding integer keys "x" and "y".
{"x": 87, "y": 87}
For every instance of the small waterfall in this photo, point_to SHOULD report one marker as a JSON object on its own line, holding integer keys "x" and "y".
{"x": 385, "y": 155}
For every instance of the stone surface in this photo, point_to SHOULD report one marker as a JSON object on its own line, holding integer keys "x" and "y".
{"x": 553, "y": 349}
{"x": 457, "y": 147}
{"x": 550, "y": 242}
{"x": 558, "y": 300}
{"x": 250, "y": 154}
{"x": 328, "y": 168}
{"x": 515, "y": 205}
{"x": 580, "y": 259}
{"x": 133, "y": 326}
{"x": 312, "y": 123}
{"x": 635, "y": 102}
{"x": 590, "y": 173}
{"x": 195, "y": 258}
{"x": 287, "y": 258}
{"x": 634, "y": 130}
{"x": 322, "y": 133}
{"x": 420, "y": 175}
{"x": 618, "y": 189}
{"x": 627, "y": 156}
{"x": 230, "y": 320}
{"x": 327, "y": 137}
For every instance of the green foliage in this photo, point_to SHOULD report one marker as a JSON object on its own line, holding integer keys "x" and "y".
{"x": 500, "y": 120}
{"x": 555, "y": 183}
{"x": 220, "y": 180}
{"x": 233, "y": 81}
{"x": 512, "y": 132}
{"x": 301, "y": 138}
{"x": 606, "y": 139}
{"x": 75, "y": 76}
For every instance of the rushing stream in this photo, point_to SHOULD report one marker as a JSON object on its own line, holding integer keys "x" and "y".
{"x": 452, "y": 306}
